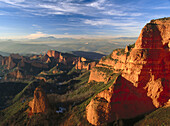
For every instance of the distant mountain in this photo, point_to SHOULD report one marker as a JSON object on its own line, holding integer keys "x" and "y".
{"x": 98, "y": 47}
{"x": 51, "y": 38}
{"x": 127, "y": 38}
{"x": 88, "y": 55}
{"x": 11, "y": 47}
{"x": 43, "y": 44}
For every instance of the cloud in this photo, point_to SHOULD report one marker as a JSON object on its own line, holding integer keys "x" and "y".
{"x": 97, "y": 4}
{"x": 62, "y": 7}
{"x": 121, "y": 13}
{"x": 36, "y": 35}
{"x": 163, "y": 7}
{"x": 82, "y": 15}
{"x": 4, "y": 13}
{"x": 109, "y": 22}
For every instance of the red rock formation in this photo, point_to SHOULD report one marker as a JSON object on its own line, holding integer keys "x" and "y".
{"x": 126, "y": 49}
{"x": 121, "y": 100}
{"x": 98, "y": 76}
{"x": 53, "y": 53}
{"x": 115, "y": 61}
{"x": 145, "y": 81}
{"x": 41, "y": 78}
{"x": 81, "y": 64}
{"x": 60, "y": 57}
{"x": 9, "y": 62}
{"x": 48, "y": 60}
{"x": 40, "y": 102}
{"x": 16, "y": 74}
{"x": 91, "y": 65}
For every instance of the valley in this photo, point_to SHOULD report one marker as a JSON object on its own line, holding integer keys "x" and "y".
{"x": 130, "y": 86}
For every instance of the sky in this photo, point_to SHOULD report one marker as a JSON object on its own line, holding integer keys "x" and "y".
{"x": 78, "y": 18}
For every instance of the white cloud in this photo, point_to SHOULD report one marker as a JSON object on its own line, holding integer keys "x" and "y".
{"x": 36, "y": 35}
{"x": 97, "y": 4}
{"x": 163, "y": 7}
{"x": 34, "y": 25}
{"x": 121, "y": 13}
{"x": 12, "y": 1}
{"x": 101, "y": 22}
{"x": 40, "y": 34}
{"x": 59, "y": 7}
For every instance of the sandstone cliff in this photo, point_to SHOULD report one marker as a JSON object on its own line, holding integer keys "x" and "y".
{"x": 22, "y": 67}
{"x": 144, "y": 83}
{"x": 40, "y": 103}
{"x": 60, "y": 57}
{"x": 113, "y": 63}
{"x": 53, "y": 53}
{"x": 83, "y": 63}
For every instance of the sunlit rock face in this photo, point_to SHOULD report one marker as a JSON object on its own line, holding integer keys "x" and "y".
{"x": 144, "y": 84}
{"x": 53, "y": 53}
{"x": 81, "y": 64}
{"x": 114, "y": 62}
{"x": 40, "y": 102}
{"x": 59, "y": 57}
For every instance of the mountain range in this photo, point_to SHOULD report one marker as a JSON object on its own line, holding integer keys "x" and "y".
{"x": 43, "y": 44}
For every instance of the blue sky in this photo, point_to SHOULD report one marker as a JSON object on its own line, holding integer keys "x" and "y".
{"x": 78, "y": 18}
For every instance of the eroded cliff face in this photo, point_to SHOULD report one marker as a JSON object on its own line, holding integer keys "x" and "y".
{"x": 22, "y": 67}
{"x": 113, "y": 63}
{"x": 144, "y": 83}
{"x": 59, "y": 57}
{"x": 83, "y": 63}
{"x": 40, "y": 103}
{"x": 53, "y": 53}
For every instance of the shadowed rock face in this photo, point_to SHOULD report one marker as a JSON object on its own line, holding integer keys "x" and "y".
{"x": 1, "y": 58}
{"x": 40, "y": 103}
{"x": 144, "y": 84}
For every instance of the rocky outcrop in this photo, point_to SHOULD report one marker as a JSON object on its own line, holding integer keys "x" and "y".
{"x": 15, "y": 74}
{"x": 30, "y": 66}
{"x": 113, "y": 62}
{"x": 40, "y": 103}
{"x": 91, "y": 65}
{"x": 9, "y": 62}
{"x": 98, "y": 76}
{"x": 53, "y": 53}
{"x": 121, "y": 101}
{"x": 83, "y": 63}
{"x": 19, "y": 67}
{"x": 60, "y": 57}
{"x": 144, "y": 84}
